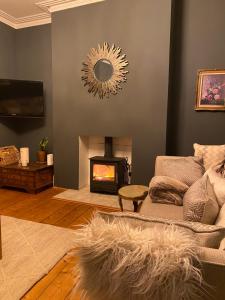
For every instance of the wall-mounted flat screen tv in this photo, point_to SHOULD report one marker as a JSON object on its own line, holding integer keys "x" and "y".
{"x": 20, "y": 98}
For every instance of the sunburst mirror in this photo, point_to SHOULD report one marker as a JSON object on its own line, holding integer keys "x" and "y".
{"x": 105, "y": 70}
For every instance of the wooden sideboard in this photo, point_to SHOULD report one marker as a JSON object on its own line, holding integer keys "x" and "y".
{"x": 33, "y": 178}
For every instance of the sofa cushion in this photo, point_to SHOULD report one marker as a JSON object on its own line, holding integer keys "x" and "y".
{"x": 200, "y": 203}
{"x": 185, "y": 169}
{"x": 205, "y": 235}
{"x": 149, "y": 208}
{"x": 220, "y": 221}
{"x": 211, "y": 154}
{"x": 167, "y": 190}
{"x": 218, "y": 181}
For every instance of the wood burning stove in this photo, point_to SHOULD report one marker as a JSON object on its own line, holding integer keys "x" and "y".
{"x": 108, "y": 173}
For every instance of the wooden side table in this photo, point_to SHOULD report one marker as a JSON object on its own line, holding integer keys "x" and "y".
{"x": 133, "y": 193}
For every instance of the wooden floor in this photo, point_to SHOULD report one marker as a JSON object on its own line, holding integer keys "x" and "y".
{"x": 43, "y": 208}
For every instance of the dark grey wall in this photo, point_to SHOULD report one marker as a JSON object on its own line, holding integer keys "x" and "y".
{"x": 26, "y": 54}
{"x": 7, "y": 70}
{"x": 199, "y": 31}
{"x": 142, "y": 29}
{"x": 33, "y": 61}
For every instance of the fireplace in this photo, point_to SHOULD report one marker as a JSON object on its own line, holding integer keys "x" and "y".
{"x": 104, "y": 172}
{"x": 108, "y": 173}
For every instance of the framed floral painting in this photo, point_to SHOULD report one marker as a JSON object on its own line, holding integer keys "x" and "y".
{"x": 210, "y": 93}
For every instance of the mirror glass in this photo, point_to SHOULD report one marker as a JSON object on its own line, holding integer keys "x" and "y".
{"x": 103, "y": 70}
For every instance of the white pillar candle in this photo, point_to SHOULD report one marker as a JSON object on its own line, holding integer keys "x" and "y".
{"x": 24, "y": 163}
{"x": 50, "y": 159}
{"x": 24, "y": 156}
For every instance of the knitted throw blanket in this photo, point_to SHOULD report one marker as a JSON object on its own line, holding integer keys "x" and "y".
{"x": 164, "y": 189}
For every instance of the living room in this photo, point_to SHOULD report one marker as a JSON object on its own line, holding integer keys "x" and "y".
{"x": 166, "y": 43}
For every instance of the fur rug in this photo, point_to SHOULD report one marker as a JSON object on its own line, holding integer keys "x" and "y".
{"x": 118, "y": 261}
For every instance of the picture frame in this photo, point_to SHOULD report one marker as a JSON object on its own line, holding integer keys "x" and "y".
{"x": 210, "y": 90}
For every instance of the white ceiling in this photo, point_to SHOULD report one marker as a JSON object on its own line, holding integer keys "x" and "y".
{"x": 27, "y": 13}
{"x": 20, "y": 8}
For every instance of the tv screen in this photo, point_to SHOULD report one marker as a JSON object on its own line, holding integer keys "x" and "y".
{"x": 20, "y": 98}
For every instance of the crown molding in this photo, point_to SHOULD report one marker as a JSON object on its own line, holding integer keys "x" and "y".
{"x": 33, "y": 20}
{"x": 48, "y": 7}
{"x": 29, "y": 21}
{"x": 7, "y": 19}
{"x": 57, "y": 5}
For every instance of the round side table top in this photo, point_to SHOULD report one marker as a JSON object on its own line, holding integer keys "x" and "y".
{"x": 133, "y": 192}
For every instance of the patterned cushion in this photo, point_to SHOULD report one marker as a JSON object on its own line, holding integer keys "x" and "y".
{"x": 185, "y": 169}
{"x": 211, "y": 154}
{"x": 200, "y": 202}
{"x": 199, "y": 149}
{"x": 206, "y": 235}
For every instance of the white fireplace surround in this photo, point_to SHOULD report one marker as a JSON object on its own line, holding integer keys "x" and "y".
{"x": 90, "y": 146}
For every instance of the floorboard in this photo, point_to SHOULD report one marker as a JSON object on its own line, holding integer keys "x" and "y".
{"x": 59, "y": 284}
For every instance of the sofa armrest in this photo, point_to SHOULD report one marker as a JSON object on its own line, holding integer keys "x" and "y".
{"x": 158, "y": 163}
{"x": 213, "y": 270}
{"x": 212, "y": 256}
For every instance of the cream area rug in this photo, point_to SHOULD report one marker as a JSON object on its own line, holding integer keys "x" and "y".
{"x": 85, "y": 196}
{"x": 29, "y": 251}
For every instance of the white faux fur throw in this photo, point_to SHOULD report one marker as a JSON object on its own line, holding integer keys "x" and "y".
{"x": 121, "y": 262}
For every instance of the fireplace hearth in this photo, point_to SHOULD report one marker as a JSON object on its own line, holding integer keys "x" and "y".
{"x": 108, "y": 173}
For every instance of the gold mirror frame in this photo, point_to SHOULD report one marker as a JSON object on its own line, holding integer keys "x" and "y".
{"x": 119, "y": 64}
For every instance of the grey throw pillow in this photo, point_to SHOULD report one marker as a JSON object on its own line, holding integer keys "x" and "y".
{"x": 206, "y": 235}
{"x": 200, "y": 202}
{"x": 185, "y": 169}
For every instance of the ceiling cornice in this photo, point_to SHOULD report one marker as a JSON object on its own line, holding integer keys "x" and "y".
{"x": 33, "y": 20}
{"x": 29, "y": 21}
{"x": 7, "y": 19}
{"x": 48, "y": 7}
{"x": 57, "y": 5}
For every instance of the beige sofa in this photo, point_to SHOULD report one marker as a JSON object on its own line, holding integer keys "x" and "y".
{"x": 213, "y": 260}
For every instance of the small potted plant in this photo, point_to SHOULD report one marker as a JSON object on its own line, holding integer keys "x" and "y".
{"x": 42, "y": 153}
